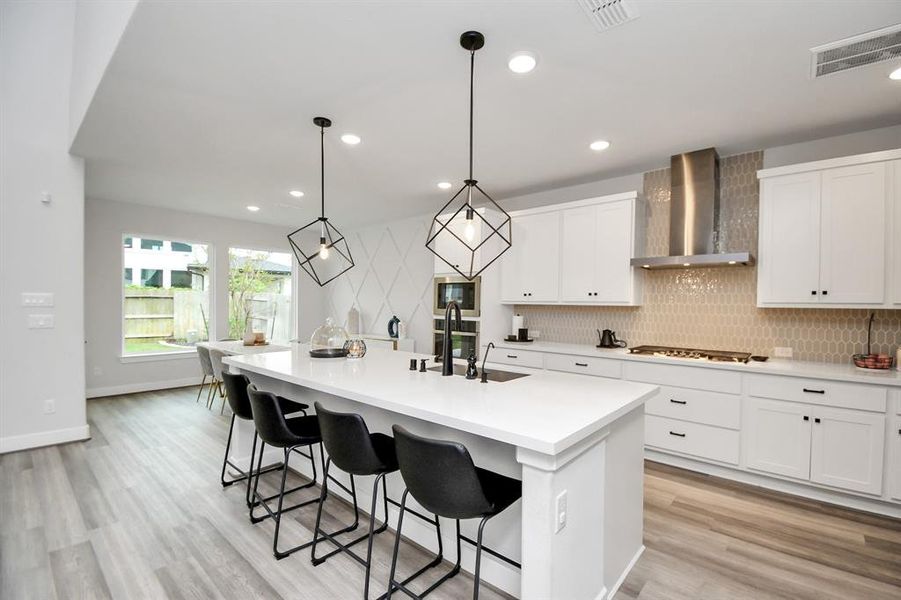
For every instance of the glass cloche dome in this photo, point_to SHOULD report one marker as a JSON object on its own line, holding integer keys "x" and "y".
{"x": 328, "y": 341}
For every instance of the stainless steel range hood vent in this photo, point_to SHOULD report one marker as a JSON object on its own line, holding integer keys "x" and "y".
{"x": 694, "y": 239}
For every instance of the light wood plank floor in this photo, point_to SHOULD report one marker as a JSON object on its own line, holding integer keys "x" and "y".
{"x": 137, "y": 512}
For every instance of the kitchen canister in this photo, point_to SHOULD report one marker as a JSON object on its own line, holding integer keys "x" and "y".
{"x": 518, "y": 323}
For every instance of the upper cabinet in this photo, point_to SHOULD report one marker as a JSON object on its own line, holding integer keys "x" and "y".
{"x": 575, "y": 253}
{"x": 826, "y": 232}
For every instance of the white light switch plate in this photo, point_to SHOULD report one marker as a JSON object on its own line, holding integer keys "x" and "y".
{"x": 782, "y": 352}
{"x": 560, "y": 521}
{"x": 40, "y": 321}
{"x": 37, "y": 299}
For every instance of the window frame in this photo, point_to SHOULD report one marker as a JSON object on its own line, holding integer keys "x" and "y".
{"x": 211, "y": 314}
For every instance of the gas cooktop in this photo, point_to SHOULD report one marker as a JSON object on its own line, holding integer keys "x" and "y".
{"x": 693, "y": 353}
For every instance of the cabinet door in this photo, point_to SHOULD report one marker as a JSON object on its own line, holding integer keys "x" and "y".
{"x": 852, "y": 239}
{"x": 578, "y": 254}
{"x": 894, "y": 469}
{"x": 778, "y": 437}
{"x": 895, "y": 199}
{"x": 847, "y": 448}
{"x": 539, "y": 258}
{"x": 613, "y": 252}
{"x": 789, "y": 240}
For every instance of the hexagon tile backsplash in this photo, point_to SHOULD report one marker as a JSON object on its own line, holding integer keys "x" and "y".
{"x": 716, "y": 309}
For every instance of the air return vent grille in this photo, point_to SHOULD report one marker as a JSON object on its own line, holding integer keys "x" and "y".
{"x": 605, "y": 14}
{"x": 857, "y": 51}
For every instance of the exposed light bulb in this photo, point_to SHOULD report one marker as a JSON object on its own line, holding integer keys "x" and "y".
{"x": 469, "y": 231}
{"x": 323, "y": 251}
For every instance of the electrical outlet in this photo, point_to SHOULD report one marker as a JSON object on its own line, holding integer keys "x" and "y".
{"x": 98, "y": 371}
{"x": 782, "y": 352}
{"x": 560, "y": 522}
{"x": 49, "y": 406}
{"x": 535, "y": 334}
{"x": 40, "y": 321}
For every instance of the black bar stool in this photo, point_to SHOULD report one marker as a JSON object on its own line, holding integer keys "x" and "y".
{"x": 236, "y": 393}
{"x": 355, "y": 451}
{"x": 290, "y": 436}
{"x": 443, "y": 479}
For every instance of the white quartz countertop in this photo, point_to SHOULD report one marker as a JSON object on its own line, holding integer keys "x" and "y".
{"x": 546, "y": 412}
{"x": 773, "y": 366}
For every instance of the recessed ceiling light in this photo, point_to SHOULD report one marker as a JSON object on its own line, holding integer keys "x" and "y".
{"x": 599, "y": 145}
{"x": 444, "y": 185}
{"x": 522, "y": 62}
{"x": 350, "y": 139}
{"x": 895, "y": 75}
{"x": 253, "y": 208}
{"x": 296, "y": 193}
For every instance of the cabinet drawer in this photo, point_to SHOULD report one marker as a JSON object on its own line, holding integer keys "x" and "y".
{"x": 705, "y": 441}
{"x": 697, "y": 406}
{"x": 587, "y": 365}
{"x": 523, "y": 358}
{"x": 715, "y": 380}
{"x": 818, "y": 391}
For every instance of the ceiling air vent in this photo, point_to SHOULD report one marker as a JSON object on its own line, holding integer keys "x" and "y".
{"x": 858, "y": 51}
{"x": 605, "y": 14}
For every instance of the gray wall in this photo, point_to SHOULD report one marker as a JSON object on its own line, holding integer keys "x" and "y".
{"x": 105, "y": 223}
{"x": 872, "y": 140}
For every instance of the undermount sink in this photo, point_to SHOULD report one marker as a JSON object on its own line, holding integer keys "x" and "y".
{"x": 493, "y": 375}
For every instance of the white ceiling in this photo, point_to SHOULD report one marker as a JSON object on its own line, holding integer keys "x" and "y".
{"x": 207, "y": 106}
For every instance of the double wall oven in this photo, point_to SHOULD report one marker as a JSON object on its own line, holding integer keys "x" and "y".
{"x": 468, "y": 295}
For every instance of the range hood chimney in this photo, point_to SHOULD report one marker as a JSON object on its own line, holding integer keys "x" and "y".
{"x": 694, "y": 230}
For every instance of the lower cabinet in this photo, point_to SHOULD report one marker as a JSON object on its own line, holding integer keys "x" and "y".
{"x": 895, "y": 445}
{"x": 704, "y": 441}
{"x": 831, "y": 446}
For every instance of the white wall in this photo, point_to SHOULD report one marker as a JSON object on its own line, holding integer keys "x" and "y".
{"x": 40, "y": 245}
{"x": 105, "y": 223}
{"x": 99, "y": 25}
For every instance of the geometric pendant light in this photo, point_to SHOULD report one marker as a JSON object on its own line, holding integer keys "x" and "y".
{"x": 471, "y": 230}
{"x": 319, "y": 247}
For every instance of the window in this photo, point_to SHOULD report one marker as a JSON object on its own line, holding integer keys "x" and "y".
{"x": 165, "y": 302}
{"x": 259, "y": 293}
{"x": 181, "y": 279}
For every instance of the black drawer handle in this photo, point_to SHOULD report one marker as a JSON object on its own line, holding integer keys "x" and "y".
{"x": 825, "y": 292}
{"x": 674, "y": 401}
{"x": 809, "y": 391}
{"x": 512, "y": 356}
{"x": 581, "y": 364}
{"x": 677, "y": 434}
{"x": 816, "y": 420}
{"x": 806, "y": 418}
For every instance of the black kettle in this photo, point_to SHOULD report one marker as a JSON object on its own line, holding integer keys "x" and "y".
{"x": 608, "y": 340}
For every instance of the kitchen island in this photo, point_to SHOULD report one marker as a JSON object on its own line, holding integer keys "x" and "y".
{"x": 576, "y": 443}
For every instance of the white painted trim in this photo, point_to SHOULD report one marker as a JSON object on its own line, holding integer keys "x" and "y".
{"x": 831, "y": 163}
{"x": 576, "y": 203}
{"x": 175, "y": 355}
{"x": 15, "y": 443}
{"x": 624, "y": 574}
{"x": 773, "y": 482}
{"x": 149, "y": 386}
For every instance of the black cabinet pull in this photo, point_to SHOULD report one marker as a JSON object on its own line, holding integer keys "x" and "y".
{"x": 512, "y": 356}
{"x": 813, "y": 292}
{"x": 806, "y": 418}
{"x": 825, "y": 292}
{"x": 674, "y": 401}
{"x": 809, "y": 391}
{"x": 581, "y": 364}
{"x": 816, "y": 420}
{"x": 677, "y": 434}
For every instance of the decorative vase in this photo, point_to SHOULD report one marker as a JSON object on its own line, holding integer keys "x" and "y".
{"x": 249, "y": 337}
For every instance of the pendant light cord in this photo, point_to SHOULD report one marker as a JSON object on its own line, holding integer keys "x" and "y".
{"x": 322, "y": 167}
{"x": 472, "y": 68}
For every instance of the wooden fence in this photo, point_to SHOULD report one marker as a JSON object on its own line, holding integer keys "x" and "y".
{"x": 164, "y": 314}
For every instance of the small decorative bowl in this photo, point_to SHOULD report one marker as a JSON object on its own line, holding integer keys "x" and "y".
{"x": 879, "y": 362}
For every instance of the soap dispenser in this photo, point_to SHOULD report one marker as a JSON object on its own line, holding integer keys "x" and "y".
{"x": 471, "y": 371}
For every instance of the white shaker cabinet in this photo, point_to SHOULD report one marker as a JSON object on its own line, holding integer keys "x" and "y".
{"x": 777, "y": 437}
{"x": 894, "y": 471}
{"x": 530, "y": 271}
{"x": 847, "y": 447}
{"x": 597, "y": 245}
{"x": 826, "y": 232}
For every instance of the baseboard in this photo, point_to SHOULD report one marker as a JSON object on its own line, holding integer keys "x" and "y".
{"x": 624, "y": 574}
{"x": 132, "y": 388}
{"x": 874, "y": 505}
{"x": 16, "y": 443}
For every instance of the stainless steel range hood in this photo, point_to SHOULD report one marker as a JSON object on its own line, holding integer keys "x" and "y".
{"x": 694, "y": 239}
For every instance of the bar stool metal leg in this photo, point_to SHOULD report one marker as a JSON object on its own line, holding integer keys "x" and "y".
{"x": 200, "y": 391}
{"x": 393, "y": 584}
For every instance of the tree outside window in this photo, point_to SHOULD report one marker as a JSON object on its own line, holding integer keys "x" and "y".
{"x": 259, "y": 287}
